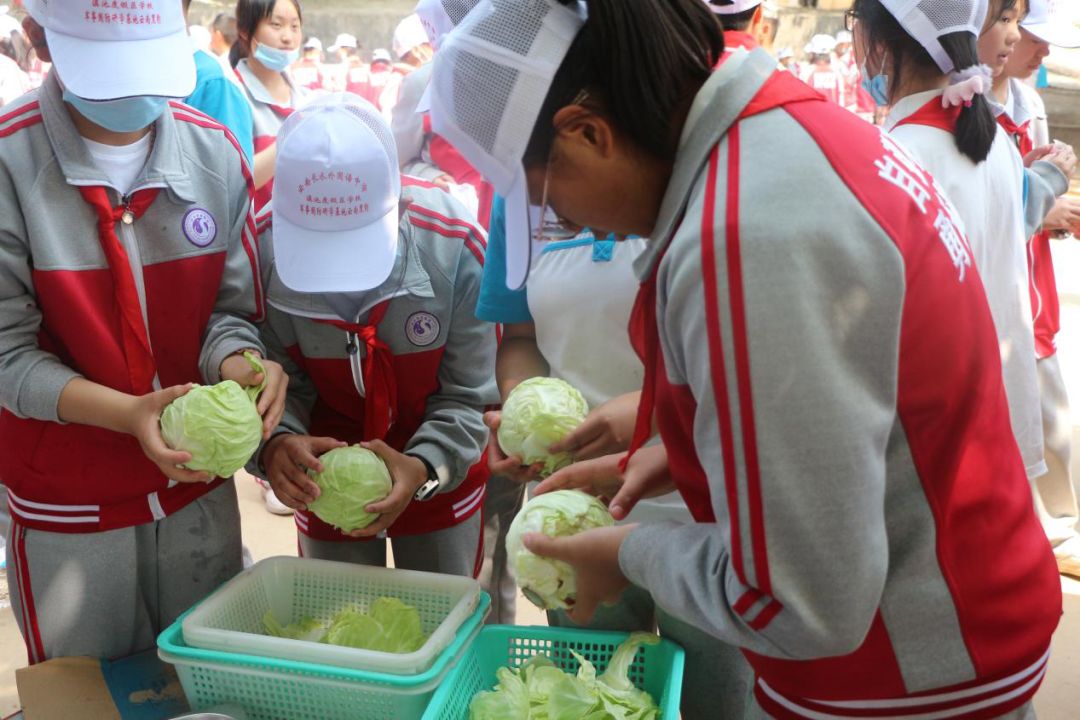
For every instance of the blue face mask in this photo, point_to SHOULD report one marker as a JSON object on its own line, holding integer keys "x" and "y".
{"x": 877, "y": 86}
{"x": 123, "y": 115}
{"x": 275, "y": 59}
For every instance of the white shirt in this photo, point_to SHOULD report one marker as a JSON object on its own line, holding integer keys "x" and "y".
{"x": 989, "y": 200}
{"x": 583, "y": 334}
{"x": 120, "y": 163}
{"x": 1022, "y": 94}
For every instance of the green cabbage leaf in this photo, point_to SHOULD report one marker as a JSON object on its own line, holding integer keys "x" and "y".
{"x": 352, "y": 478}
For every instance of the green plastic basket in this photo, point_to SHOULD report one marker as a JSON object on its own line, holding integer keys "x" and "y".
{"x": 657, "y": 669}
{"x": 276, "y": 689}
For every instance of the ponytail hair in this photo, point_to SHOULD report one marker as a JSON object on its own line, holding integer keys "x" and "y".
{"x": 640, "y": 61}
{"x": 249, "y": 13}
{"x": 976, "y": 126}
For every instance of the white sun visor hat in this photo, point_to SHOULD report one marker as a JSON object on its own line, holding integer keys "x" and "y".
{"x": 491, "y": 76}
{"x": 927, "y": 22}
{"x": 731, "y": 7}
{"x": 335, "y": 199}
{"x": 106, "y": 54}
{"x": 1046, "y": 23}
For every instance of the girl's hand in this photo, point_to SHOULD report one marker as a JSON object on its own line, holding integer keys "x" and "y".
{"x": 502, "y": 465}
{"x": 646, "y": 476}
{"x": 607, "y": 429}
{"x": 594, "y": 555}
{"x": 271, "y": 403}
{"x": 287, "y": 458}
{"x": 145, "y": 426}
{"x": 407, "y": 473}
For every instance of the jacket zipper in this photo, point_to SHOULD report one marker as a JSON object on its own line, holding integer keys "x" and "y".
{"x": 131, "y": 247}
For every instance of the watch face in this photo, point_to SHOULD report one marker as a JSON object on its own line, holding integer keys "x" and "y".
{"x": 428, "y": 490}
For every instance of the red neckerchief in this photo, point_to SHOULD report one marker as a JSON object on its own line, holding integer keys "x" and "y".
{"x": 934, "y": 114}
{"x": 1019, "y": 133}
{"x": 782, "y": 88}
{"x": 380, "y": 383}
{"x": 136, "y": 340}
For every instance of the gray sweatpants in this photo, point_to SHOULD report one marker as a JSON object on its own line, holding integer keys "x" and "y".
{"x": 453, "y": 551}
{"x": 1056, "y": 492}
{"x": 109, "y": 594}
{"x": 504, "y": 499}
{"x": 717, "y": 680}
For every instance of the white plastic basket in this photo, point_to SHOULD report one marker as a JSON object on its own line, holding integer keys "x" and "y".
{"x": 231, "y": 620}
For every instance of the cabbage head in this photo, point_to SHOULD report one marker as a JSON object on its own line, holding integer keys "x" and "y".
{"x": 548, "y": 583}
{"x": 218, "y": 424}
{"x": 352, "y": 478}
{"x": 537, "y": 414}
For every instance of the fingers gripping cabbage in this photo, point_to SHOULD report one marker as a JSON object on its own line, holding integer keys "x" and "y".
{"x": 352, "y": 478}
{"x": 218, "y": 424}
{"x": 538, "y": 413}
{"x": 549, "y": 583}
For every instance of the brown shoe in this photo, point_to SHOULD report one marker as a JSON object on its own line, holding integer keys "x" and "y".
{"x": 1069, "y": 565}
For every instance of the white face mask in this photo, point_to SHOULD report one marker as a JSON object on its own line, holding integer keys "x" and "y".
{"x": 274, "y": 58}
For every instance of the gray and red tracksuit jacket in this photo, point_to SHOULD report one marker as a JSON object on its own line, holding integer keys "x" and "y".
{"x": 70, "y": 305}
{"x": 425, "y": 362}
{"x": 268, "y": 117}
{"x": 825, "y": 375}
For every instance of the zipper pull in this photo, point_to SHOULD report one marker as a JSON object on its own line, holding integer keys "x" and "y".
{"x": 128, "y": 217}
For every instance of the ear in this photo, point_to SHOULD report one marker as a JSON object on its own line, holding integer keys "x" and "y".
{"x": 36, "y": 33}
{"x": 759, "y": 17}
{"x": 585, "y": 129}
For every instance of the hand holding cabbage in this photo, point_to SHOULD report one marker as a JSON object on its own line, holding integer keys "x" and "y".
{"x": 351, "y": 479}
{"x": 218, "y": 425}
{"x": 537, "y": 414}
{"x": 549, "y": 583}
{"x": 267, "y": 374}
{"x": 287, "y": 458}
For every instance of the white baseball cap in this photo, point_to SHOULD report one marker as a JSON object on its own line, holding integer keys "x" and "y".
{"x": 344, "y": 40}
{"x": 313, "y": 43}
{"x": 382, "y": 55}
{"x": 491, "y": 76}
{"x": 335, "y": 200}
{"x": 441, "y": 16}
{"x": 1050, "y": 26}
{"x": 822, "y": 44}
{"x": 732, "y": 7}
{"x": 108, "y": 54}
{"x": 928, "y": 22}
{"x": 408, "y": 34}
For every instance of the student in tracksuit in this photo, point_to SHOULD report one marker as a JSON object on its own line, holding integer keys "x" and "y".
{"x": 128, "y": 271}
{"x": 545, "y": 335}
{"x": 269, "y": 33}
{"x": 375, "y": 326}
{"x": 424, "y": 154}
{"x": 1023, "y": 116}
{"x": 823, "y": 370}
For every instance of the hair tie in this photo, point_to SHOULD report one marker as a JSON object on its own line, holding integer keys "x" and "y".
{"x": 965, "y": 84}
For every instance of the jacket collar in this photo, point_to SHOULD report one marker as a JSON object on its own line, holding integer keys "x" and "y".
{"x": 407, "y": 278}
{"x": 258, "y": 90}
{"x": 166, "y": 167}
{"x": 715, "y": 109}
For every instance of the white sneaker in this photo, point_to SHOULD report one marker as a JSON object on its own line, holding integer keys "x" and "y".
{"x": 273, "y": 505}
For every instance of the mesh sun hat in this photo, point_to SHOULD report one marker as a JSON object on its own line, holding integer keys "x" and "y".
{"x": 441, "y": 16}
{"x": 928, "y": 20}
{"x": 491, "y": 77}
{"x": 109, "y": 54}
{"x": 731, "y": 7}
{"x": 1045, "y": 22}
{"x": 335, "y": 199}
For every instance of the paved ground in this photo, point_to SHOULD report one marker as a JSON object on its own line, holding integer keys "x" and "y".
{"x": 267, "y": 535}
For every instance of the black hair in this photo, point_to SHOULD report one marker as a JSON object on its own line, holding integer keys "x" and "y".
{"x": 641, "y": 62}
{"x": 976, "y": 127}
{"x": 249, "y": 13}
{"x": 738, "y": 21}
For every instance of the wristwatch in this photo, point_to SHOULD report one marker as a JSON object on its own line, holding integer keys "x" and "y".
{"x": 430, "y": 488}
